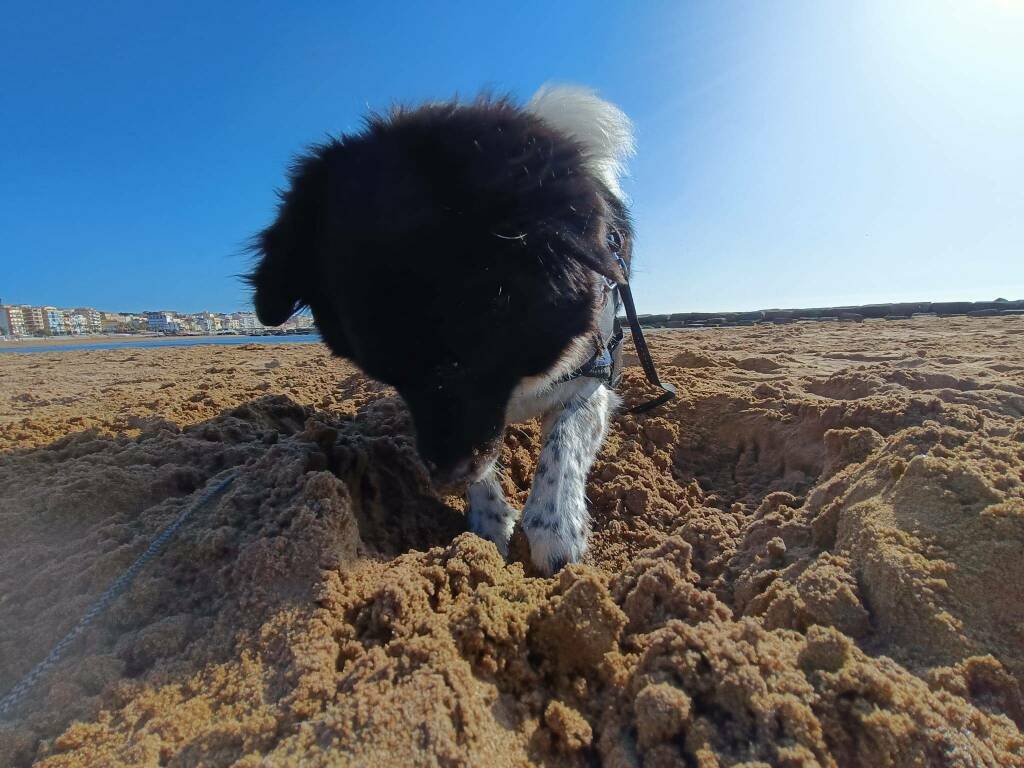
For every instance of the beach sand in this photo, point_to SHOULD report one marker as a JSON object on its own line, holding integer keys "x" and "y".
{"x": 815, "y": 556}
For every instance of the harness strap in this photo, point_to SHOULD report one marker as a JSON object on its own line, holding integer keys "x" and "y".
{"x": 601, "y": 364}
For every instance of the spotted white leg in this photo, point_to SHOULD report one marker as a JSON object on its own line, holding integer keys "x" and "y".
{"x": 490, "y": 516}
{"x": 555, "y": 518}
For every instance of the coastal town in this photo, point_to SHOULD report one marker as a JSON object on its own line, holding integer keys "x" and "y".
{"x": 24, "y": 321}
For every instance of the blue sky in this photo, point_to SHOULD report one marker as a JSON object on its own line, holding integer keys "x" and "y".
{"x": 790, "y": 153}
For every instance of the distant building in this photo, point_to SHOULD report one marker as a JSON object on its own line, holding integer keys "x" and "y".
{"x": 135, "y": 323}
{"x": 299, "y": 322}
{"x": 35, "y": 320}
{"x": 246, "y": 322}
{"x": 75, "y": 323}
{"x": 114, "y": 322}
{"x": 12, "y": 321}
{"x": 208, "y": 322}
{"x": 93, "y": 319}
{"x": 24, "y": 320}
{"x": 163, "y": 322}
{"x": 53, "y": 321}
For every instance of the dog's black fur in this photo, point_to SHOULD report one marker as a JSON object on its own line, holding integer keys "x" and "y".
{"x": 448, "y": 251}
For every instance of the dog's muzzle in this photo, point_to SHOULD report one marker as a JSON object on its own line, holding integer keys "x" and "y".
{"x": 463, "y": 472}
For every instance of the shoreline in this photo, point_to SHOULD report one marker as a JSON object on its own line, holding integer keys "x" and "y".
{"x": 91, "y": 338}
{"x": 155, "y": 340}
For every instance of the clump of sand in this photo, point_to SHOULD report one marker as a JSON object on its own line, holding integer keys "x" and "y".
{"x": 812, "y": 557}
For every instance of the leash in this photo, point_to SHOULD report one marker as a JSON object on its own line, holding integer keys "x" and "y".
{"x": 642, "y": 351}
{"x": 603, "y": 363}
{"x": 14, "y": 696}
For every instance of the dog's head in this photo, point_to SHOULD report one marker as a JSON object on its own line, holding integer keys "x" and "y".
{"x": 451, "y": 251}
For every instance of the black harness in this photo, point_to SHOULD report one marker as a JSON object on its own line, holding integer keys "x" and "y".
{"x": 606, "y": 362}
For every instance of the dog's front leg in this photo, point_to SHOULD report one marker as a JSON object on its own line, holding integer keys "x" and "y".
{"x": 555, "y": 518}
{"x": 490, "y": 516}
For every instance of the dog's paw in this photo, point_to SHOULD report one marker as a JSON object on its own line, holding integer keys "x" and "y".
{"x": 557, "y": 536}
{"x": 494, "y": 520}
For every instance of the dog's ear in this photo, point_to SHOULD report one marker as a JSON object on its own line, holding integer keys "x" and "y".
{"x": 286, "y": 248}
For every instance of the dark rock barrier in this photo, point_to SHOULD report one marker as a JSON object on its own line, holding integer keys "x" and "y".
{"x": 857, "y": 314}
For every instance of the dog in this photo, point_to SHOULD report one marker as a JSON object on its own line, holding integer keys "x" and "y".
{"x": 467, "y": 255}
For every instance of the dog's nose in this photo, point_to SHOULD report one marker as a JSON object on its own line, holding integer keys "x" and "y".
{"x": 443, "y": 478}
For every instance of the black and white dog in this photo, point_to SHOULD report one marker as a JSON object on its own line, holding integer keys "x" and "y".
{"x": 466, "y": 254}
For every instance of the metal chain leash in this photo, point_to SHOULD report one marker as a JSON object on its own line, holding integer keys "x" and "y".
{"x": 13, "y": 697}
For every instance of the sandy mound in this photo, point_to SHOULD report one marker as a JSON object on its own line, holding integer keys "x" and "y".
{"x": 813, "y": 557}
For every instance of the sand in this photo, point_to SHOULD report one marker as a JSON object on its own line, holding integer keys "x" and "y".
{"x": 814, "y": 557}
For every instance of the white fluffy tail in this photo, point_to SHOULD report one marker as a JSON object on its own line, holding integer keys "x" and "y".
{"x": 603, "y": 129}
